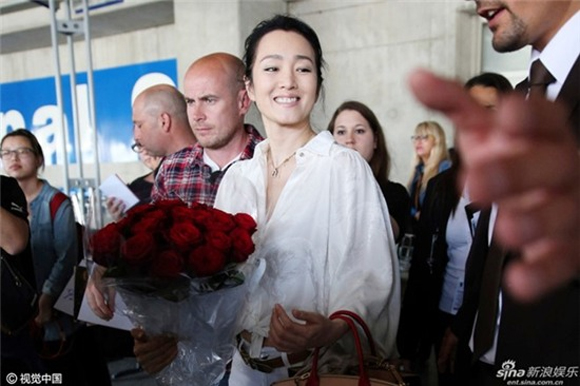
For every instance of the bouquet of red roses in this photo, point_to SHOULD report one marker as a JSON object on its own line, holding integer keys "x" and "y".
{"x": 178, "y": 271}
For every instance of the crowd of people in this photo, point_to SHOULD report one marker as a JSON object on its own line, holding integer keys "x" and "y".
{"x": 503, "y": 202}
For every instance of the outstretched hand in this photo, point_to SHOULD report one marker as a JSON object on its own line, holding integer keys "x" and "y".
{"x": 522, "y": 157}
{"x": 311, "y": 330}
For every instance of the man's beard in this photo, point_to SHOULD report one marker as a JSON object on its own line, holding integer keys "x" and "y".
{"x": 512, "y": 37}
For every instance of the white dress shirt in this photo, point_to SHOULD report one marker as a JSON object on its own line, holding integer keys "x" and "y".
{"x": 458, "y": 236}
{"x": 560, "y": 54}
{"x": 328, "y": 244}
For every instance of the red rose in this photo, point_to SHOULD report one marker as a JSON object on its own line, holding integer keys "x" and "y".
{"x": 151, "y": 222}
{"x": 206, "y": 261}
{"x": 105, "y": 245}
{"x": 182, "y": 213}
{"x": 168, "y": 238}
{"x": 139, "y": 209}
{"x": 124, "y": 224}
{"x": 242, "y": 244}
{"x": 184, "y": 236}
{"x": 167, "y": 264}
{"x": 201, "y": 207}
{"x": 220, "y": 221}
{"x": 218, "y": 240}
{"x": 167, "y": 205}
{"x": 245, "y": 221}
{"x": 200, "y": 215}
{"x": 139, "y": 249}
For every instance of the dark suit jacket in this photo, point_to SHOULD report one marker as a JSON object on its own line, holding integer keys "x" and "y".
{"x": 543, "y": 333}
{"x": 569, "y": 96}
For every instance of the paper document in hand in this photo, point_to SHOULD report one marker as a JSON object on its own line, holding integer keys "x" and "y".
{"x": 114, "y": 186}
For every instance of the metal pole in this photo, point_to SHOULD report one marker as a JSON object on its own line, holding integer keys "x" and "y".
{"x": 74, "y": 96}
{"x": 58, "y": 87}
{"x": 92, "y": 113}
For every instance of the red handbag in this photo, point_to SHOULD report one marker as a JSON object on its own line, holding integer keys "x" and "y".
{"x": 372, "y": 371}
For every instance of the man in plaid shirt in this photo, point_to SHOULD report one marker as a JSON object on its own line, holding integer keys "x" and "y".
{"x": 217, "y": 102}
{"x": 160, "y": 127}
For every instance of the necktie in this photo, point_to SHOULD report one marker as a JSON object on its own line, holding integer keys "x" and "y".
{"x": 540, "y": 78}
{"x": 470, "y": 210}
{"x": 488, "y": 300}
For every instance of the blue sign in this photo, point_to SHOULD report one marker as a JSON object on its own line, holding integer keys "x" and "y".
{"x": 31, "y": 104}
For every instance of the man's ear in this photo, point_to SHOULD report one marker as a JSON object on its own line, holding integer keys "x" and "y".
{"x": 249, "y": 88}
{"x": 165, "y": 119}
{"x": 244, "y": 101}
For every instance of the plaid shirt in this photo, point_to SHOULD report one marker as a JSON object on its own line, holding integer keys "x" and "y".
{"x": 183, "y": 175}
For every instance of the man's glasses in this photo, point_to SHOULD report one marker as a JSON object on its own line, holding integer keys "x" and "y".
{"x": 20, "y": 152}
{"x": 137, "y": 147}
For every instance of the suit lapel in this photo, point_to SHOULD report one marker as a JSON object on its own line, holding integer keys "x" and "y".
{"x": 570, "y": 96}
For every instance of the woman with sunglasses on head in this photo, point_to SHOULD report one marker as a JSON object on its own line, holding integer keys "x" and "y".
{"x": 431, "y": 158}
{"x": 54, "y": 243}
{"x": 430, "y": 315}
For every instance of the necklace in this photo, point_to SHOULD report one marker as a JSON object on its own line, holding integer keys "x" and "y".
{"x": 275, "y": 168}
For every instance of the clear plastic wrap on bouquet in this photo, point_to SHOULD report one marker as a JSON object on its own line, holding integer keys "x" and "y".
{"x": 201, "y": 312}
{"x": 182, "y": 270}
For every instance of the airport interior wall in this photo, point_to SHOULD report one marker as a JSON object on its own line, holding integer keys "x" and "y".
{"x": 370, "y": 48}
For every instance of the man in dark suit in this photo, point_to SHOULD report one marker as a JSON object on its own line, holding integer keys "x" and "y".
{"x": 523, "y": 158}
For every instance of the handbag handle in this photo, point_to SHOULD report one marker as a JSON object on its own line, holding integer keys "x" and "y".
{"x": 362, "y": 324}
{"x": 348, "y": 317}
{"x": 371, "y": 343}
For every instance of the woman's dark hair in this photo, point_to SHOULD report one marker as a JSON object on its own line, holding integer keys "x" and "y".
{"x": 284, "y": 23}
{"x": 37, "y": 149}
{"x": 490, "y": 79}
{"x": 380, "y": 162}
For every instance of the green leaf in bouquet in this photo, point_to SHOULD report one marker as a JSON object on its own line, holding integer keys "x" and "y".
{"x": 228, "y": 278}
{"x": 175, "y": 289}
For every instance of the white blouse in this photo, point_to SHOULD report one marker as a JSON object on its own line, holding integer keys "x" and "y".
{"x": 459, "y": 238}
{"x": 328, "y": 244}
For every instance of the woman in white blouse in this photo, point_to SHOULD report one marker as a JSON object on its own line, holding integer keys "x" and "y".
{"x": 323, "y": 226}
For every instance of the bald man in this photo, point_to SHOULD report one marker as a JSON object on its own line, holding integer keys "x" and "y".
{"x": 160, "y": 122}
{"x": 160, "y": 127}
{"x": 217, "y": 103}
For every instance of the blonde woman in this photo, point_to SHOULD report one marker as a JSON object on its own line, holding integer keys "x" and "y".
{"x": 431, "y": 158}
